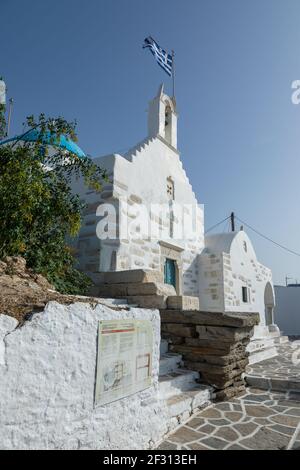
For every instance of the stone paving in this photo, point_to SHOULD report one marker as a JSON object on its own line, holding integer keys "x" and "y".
{"x": 281, "y": 372}
{"x": 258, "y": 420}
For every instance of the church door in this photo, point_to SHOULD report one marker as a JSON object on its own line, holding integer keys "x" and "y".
{"x": 170, "y": 272}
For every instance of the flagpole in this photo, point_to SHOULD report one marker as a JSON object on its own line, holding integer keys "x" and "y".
{"x": 173, "y": 72}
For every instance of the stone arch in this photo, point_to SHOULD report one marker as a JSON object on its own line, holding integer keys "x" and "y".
{"x": 269, "y": 300}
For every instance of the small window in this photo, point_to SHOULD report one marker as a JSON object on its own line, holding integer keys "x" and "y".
{"x": 245, "y": 294}
{"x": 245, "y": 246}
{"x": 170, "y": 189}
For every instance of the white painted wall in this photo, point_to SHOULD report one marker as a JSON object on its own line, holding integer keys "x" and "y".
{"x": 226, "y": 265}
{"x": 287, "y": 310}
{"x": 139, "y": 178}
{"x": 47, "y": 370}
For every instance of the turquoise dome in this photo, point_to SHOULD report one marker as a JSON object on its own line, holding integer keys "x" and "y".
{"x": 48, "y": 139}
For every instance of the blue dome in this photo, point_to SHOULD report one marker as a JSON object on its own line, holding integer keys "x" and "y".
{"x": 49, "y": 139}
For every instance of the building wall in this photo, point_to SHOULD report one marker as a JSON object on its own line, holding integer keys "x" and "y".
{"x": 211, "y": 282}
{"x": 47, "y": 385}
{"x": 287, "y": 310}
{"x": 242, "y": 269}
{"x": 223, "y": 274}
{"x": 139, "y": 180}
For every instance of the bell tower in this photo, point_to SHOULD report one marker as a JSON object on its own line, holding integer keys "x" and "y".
{"x": 162, "y": 118}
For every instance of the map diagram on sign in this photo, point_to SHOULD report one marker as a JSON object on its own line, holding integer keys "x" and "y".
{"x": 124, "y": 359}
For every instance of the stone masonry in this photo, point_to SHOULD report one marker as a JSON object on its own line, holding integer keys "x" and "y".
{"x": 213, "y": 344}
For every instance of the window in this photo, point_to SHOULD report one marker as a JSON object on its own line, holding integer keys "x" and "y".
{"x": 245, "y": 294}
{"x": 170, "y": 188}
{"x": 245, "y": 246}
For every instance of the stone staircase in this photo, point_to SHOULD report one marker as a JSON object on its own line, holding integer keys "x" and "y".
{"x": 179, "y": 387}
{"x": 141, "y": 287}
{"x": 281, "y": 340}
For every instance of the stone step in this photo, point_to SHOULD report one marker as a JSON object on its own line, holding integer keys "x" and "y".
{"x": 128, "y": 276}
{"x": 183, "y": 405}
{"x": 262, "y": 354}
{"x": 169, "y": 362}
{"x": 278, "y": 384}
{"x": 134, "y": 289}
{"x": 177, "y": 382}
{"x": 164, "y": 346}
{"x": 281, "y": 340}
{"x": 274, "y": 334}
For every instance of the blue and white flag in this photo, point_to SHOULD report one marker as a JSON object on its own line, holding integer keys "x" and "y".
{"x": 163, "y": 59}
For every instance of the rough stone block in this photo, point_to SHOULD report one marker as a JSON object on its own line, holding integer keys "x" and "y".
{"x": 227, "y": 334}
{"x": 179, "y": 330}
{"x": 210, "y": 318}
{"x": 230, "y": 392}
{"x": 112, "y": 290}
{"x": 150, "y": 288}
{"x": 133, "y": 276}
{"x": 183, "y": 302}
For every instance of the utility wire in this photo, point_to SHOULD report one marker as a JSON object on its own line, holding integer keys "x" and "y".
{"x": 267, "y": 238}
{"x": 216, "y": 225}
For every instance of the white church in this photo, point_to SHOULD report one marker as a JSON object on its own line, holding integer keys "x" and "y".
{"x": 148, "y": 218}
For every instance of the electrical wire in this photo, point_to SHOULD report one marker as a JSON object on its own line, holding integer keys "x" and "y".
{"x": 216, "y": 225}
{"x": 267, "y": 238}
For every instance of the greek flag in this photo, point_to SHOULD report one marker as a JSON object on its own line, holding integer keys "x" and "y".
{"x": 163, "y": 59}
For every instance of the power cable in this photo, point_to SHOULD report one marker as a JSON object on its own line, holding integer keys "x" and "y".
{"x": 267, "y": 238}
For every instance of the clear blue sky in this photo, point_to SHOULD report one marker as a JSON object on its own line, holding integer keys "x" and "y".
{"x": 235, "y": 61}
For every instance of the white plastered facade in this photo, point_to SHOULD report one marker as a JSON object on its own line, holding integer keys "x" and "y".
{"x": 215, "y": 269}
{"x": 141, "y": 178}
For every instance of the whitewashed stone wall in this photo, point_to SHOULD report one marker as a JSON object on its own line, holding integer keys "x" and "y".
{"x": 139, "y": 179}
{"x": 227, "y": 264}
{"x": 47, "y": 370}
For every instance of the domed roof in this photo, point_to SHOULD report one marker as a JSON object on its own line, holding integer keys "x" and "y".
{"x": 48, "y": 139}
{"x": 237, "y": 241}
{"x": 219, "y": 242}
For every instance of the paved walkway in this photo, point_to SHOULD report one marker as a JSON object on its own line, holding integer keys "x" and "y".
{"x": 258, "y": 420}
{"x": 280, "y": 373}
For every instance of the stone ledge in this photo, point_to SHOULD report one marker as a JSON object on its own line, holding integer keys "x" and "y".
{"x": 128, "y": 276}
{"x": 136, "y": 289}
{"x": 234, "y": 320}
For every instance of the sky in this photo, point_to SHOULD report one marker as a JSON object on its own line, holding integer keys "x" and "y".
{"x": 238, "y": 130}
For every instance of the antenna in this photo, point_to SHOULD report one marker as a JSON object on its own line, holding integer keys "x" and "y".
{"x": 11, "y": 102}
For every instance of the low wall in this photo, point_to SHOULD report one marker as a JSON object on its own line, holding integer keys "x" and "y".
{"x": 287, "y": 309}
{"x": 213, "y": 344}
{"x": 47, "y": 386}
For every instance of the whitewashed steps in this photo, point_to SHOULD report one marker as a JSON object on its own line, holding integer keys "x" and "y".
{"x": 281, "y": 340}
{"x": 169, "y": 363}
{"x": 186, "y": 403}
{"x": 164, "y": 346}
{"x": 179, "y": 388}
{"x": 176, "y": 382}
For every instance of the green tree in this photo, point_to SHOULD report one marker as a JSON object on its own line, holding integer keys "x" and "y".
{"x": 38, "y": 210}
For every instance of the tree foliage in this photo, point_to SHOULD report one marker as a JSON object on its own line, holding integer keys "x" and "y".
{"x": 38, "y": 210}
{"x": 2, "y": 121}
